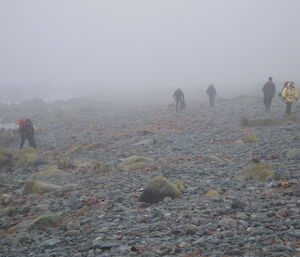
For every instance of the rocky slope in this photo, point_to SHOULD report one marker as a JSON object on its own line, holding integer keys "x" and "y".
{"x": 78, "y": 195}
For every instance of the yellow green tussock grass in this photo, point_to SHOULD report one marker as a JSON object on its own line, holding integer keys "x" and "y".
{"x": 267, "y": 121}
{"x": 157, "y": 189}
{"x": 24, "y": 157}
{"x": 258, "y": 171}
{"x": 249, "y": 138}
{"x": 135, "y": 162}
{"x": 5, "y": 156}
{"x": 35, "y": 186}
{"x": 51, "y": 172}
{"x": 101, "y": 168}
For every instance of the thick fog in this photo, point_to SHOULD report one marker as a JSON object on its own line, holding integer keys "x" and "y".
{"x": 52, "y": 48}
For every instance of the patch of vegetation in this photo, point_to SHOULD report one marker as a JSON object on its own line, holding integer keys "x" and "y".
{"x": 159, "y": 188}
{"x": 66, "y": 163}
{"x": 257, "y": 171}
{"x": 211, "y": 193}
{"x": 180, "y": 186}
{"x": 45, "y": 221}
{"x": 293, "y": 154}
{"x": 5, "y": 156}
{"x": 25, "y": 157}
{"x": 267, "y": 121}
{"x": 6, "y": 138}
{"x": 51, "y": 172}
{"x": 135, "y": 162}
{"x": 74, "y": 150}
{"x": 249, "y": 138}
{"x": 95, "y": 146}
{"x": 101, "y": 168}
{"x": 35, "y": 186}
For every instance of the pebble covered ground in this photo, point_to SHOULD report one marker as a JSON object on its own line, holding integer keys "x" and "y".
{"x": 218, "y": 213}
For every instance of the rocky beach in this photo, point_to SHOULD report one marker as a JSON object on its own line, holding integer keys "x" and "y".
{"x": 113, "y": 179}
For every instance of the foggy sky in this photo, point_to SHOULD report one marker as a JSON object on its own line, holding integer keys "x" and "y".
{"x": 143, "y": 43}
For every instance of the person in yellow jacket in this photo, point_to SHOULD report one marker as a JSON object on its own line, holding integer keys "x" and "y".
{"x": 290, "y": 95}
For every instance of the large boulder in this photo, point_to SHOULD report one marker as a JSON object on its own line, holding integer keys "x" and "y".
{"x": 25, "y": 157}
{"x": 35, "y": 186}
{"x": 293, "y": 154}
{"x": 45, "y": 221}
{"x": 5, "y": 156}
{"x": 135, "y": 162}
{"x": 157, "y": 189}
{"x": 257, "y": 171}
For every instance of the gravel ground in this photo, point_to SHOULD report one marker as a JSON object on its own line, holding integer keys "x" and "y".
{"x": 101, "y": 214}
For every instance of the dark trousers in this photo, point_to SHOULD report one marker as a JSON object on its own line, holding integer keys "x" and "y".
{"x": 267, "y": 103}
{"x": 211, "y": 101}
{"x": 288, "y": 109}
{"x": 179, "y": 105}
{"x": 30, "y": 139}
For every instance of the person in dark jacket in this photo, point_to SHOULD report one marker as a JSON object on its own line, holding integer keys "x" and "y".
{"x": 179, "y": 98}
{"x": 212, "y": 94}
{"x": 269, "y": 92}
{"x": 26, "y": 131}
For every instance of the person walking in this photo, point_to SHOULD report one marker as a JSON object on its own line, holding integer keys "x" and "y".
{"x": 26, "y": 131}
{"x": 179, "y": 99}
{"x": 290, "y": 95}
{"x": 212, "y": 94}
{"x": 269, "y": 92}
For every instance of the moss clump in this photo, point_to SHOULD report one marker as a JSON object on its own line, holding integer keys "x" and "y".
{"x": 74, "y": 150}
{"x": 45, "y": 221}
{"x": 66, "y": 163}
{"x": 101, "y": 168}
{"x": 267, "y": 122}
{"x": 293, "y": 154}
{"x": 85, "y": 163}
{"x": 5, "y": 156}
{"x": 135, "y": 162}
{"x": 180, "y": 186}
{"x": 258, "y": 171}
{"x": 157, "y": 189}
{"x": 95, "y": 146}
{"x": 210, "y": 158}
{"x": 51, "y": 172}
{"x": 34, "y": 186}
{"x": 211, "y": 193}
{"x": 249, "y": 138}
{"x": 25, "y": 157}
